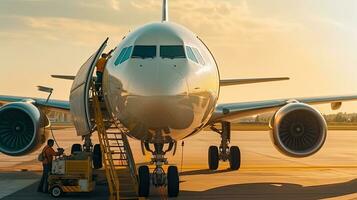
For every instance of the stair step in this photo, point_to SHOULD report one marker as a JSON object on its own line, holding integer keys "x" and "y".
{"x": 117, "y": 146}
{"x": 131, "y": 197}
{"x": 118, "y": 153}
{"x": 127, "y": 187}
{"x": 127, "y": 192}
{"x": 118, "y": 133}
{"x": 121, "y": 165}
{"x": 128, "y": 180}
{"x": 115, "y": 139}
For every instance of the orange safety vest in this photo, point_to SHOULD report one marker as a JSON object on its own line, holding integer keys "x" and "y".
{"x": 101, "y": 64}
{"x": 49, "y": 153}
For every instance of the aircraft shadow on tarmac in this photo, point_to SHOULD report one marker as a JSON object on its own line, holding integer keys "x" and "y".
{"x": 272, "y": 190}
{"x": 267, "y": 190}
{"x": 203, "y": 171}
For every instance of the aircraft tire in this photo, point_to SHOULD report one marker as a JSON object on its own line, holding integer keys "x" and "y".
{"x": 234, "y": 158}
{"x": 144, "y": 181}
{"x": 173, "y": 181}
{"x": 97, "y": 157}
{"x": 76, "y": 148}
{"x": 213, "y": 157}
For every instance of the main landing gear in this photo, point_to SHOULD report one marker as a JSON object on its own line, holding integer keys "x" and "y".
{"x": 224, "y": 152}
{"x": 89, "y": 147}
{"x": 159, "y": 178}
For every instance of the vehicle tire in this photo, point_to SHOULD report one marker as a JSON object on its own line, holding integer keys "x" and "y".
{"x": 97, "y": 157}
{"x": 213, "y": 157}
{"x": 56, "y": 191}
{"x": 234, "y": 158}
{"x": 144, "y": 181}
{"x": 76, "y": 148}
{"x": 173, "y": 181}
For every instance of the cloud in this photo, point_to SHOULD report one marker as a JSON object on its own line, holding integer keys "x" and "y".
{"x": 214, "y": 20}
{"x": 220, "y": 19}
{"x": 76, "y": 31}
{"x": 115, "y": 4}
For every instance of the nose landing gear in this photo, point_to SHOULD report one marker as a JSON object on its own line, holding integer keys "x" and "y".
{"x": 159, "y": 178}
{"x": 224, "y": 152}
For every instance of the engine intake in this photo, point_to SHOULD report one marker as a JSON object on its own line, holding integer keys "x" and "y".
{"x": 22, "y": 128}
{"x": 298, "y": 130}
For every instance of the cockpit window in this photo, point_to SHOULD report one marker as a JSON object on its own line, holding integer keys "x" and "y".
{"x": 198, "y": 56}
{"x": 142, "y": 51}
{"x": 124, "y": 55}
{"x": 117, "y": 61}
{"x": 172, "y": 51}
{"x": 190, "y": 54}
{"x": 127, "y": 54}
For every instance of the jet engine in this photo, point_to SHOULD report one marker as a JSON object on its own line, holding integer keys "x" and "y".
{"x": 22, "y": 128}
{"x": 298, "y": 130}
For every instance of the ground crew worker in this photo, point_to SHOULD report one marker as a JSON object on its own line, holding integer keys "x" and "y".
{"x": 100, "y": 68}
{"x": 48, "y": 154}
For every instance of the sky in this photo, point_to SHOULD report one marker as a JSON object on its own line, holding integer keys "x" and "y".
{"x": 311, "y": 41}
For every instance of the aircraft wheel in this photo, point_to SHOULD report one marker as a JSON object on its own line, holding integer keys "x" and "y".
{"x": 76, "y": 148}
{"x": 97, "y": 157}
{"x": 144, "y": 181}
{"x": 234, "y": 158}
{"x": 56, "y": 192}
{"x": 213, "y": 157}
{"x": 173, "y": 181}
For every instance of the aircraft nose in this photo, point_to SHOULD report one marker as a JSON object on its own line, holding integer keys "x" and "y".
{"x": 157, "y": 81}
{"x": 158, "y": 99}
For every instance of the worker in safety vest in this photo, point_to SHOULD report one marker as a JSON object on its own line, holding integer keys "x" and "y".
{"x": 48, "y": 154}
{"x": 100, "y": 68}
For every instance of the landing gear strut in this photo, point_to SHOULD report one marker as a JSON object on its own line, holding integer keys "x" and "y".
{"x": 224, "y": 152}
{"x": 89, "y": 147}
{"x": 158, "y": 177}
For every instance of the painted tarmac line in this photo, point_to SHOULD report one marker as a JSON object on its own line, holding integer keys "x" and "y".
{"x": 10, "y": 186}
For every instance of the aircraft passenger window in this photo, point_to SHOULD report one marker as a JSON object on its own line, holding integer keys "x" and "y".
{"x": 198, "y": 56}
{"x": 117, "y": 61}
{"x": 141, "y": 51}
{"x": 126, "y": 55}
{"x": 190, "y": 54}
{"x": 172, "y": 51}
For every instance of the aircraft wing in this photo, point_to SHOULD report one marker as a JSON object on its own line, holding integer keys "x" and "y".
{"x": 51, "y": 104}
{"x": 228, "y": 82}
{"x": 234, "y": 111}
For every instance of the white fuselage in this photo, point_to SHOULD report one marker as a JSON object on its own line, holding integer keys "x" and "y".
{"x": 161, "y": 82}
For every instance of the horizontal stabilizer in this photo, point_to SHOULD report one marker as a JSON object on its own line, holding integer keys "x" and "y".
{"x": 229, "y": 82}
{"x": 66, "y": 77}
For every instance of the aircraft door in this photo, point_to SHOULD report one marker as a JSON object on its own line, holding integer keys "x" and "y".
{"x": 80, "y": 94}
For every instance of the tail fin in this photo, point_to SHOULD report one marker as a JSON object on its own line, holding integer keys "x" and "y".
{"x": 165, "y": 11}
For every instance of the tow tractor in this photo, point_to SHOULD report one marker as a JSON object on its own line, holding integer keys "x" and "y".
{"x": 71, "y": 174}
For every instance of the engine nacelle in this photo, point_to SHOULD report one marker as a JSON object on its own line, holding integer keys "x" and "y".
{"x": 298, "y": 130}
{"x": 22, "y": 128}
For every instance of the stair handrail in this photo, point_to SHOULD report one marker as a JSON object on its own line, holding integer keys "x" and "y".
{"x": 102, "y": 136}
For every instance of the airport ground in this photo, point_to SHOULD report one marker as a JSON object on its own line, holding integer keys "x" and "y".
{"x": 265, "y": 173}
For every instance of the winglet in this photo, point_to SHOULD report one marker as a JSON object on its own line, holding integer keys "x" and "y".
{"x": 165, "y": 11}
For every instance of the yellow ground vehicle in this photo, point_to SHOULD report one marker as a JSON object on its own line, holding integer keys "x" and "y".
{"x": 71, "y": 174}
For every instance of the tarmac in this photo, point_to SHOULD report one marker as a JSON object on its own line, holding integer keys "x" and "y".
{"x": 264, "y": 174}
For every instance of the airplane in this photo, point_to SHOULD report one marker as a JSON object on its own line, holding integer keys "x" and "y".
{"x": 162, "y": 83}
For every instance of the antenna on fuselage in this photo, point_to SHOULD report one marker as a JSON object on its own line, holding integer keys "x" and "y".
{"x": 165, "y": 11}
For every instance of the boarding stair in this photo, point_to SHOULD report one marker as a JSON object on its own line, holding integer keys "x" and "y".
{"x": 117, "y": 157}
